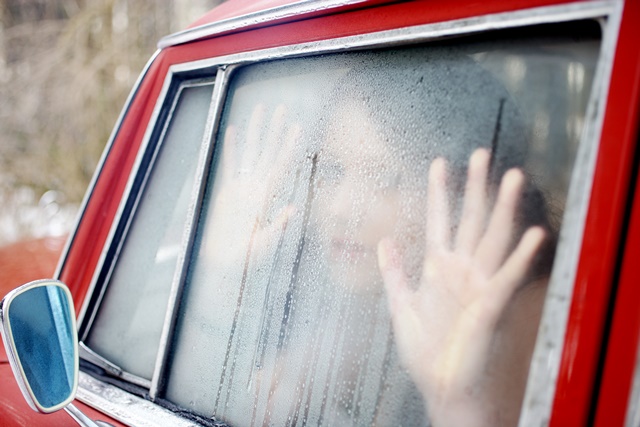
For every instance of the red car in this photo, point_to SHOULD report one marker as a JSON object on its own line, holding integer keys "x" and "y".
{"x": 355, "y": 213}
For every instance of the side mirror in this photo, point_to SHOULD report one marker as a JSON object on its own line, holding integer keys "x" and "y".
{"x": 39, "y": 333}
{"x": 38, "y": 326}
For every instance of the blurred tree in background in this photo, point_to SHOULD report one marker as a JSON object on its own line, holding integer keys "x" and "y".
{"x": 66, "y": 68}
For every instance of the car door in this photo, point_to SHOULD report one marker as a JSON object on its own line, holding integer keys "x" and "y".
{"x": 218, "y": 236}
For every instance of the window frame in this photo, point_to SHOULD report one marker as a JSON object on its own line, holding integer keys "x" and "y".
{"x": 550, "y": 342}
{"x": 145, "y": 161}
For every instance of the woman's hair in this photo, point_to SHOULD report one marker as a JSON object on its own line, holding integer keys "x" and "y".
{"x": 439, "y": 102}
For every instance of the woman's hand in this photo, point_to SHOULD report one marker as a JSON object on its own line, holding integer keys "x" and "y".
{"x": 445, "y": 328}
{"x": 252, "y": 171}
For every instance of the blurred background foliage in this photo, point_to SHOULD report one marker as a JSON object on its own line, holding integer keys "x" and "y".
{"x": 66, "y": 68}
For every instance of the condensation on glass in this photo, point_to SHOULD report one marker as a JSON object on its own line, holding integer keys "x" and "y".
{"x": 345, "y": 270}
{"x": 127, "y": 327}
{"x": 286, "y": 318}
{"x": 324, "y": 177}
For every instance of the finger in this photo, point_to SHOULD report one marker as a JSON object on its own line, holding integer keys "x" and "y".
{"x": 494, "y": 244}
{"x": 285, "y": 153}
{"x": 437, "y": 228}
{"x": 516, "y": 267}
{"x": 474, "y": 208}
{"x": 393, "y": 276}
{"x": 229, "y": 147}
{"x": 284, "y": 169}
{"x": 276, "y": 126}
{"x": 254, "y": 133}
{"x": 275, "y": 138}
{"x": 279, "y": 168}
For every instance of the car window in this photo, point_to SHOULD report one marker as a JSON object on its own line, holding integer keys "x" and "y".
{"x": 377, "y": 233}
{"x": 134, "y": 306}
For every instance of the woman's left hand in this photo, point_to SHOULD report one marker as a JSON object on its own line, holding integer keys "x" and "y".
{"x": 444, "y": 328}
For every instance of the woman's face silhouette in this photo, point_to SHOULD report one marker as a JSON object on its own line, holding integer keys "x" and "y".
{"x": 358, "y": 198}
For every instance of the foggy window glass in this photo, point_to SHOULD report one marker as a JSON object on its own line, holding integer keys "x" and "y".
{"x": 127, "y": 327}
{"x": 378, "y": 232}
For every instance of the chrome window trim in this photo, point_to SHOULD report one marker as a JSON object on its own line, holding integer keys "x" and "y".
{"x": 530, "y": 16}
{"x": 100, "y": 166}
{"x": 417, "y": 34}
{"x": 189, "y": 234}
{"x": 632, "y": 417}
{"x": 125, "y": 199}
{"x": 125, "y": 407}
{"x": 118, "y": 215}
{"x": 295, "y": 9}
{"x": 91, "y": 356}
{"x": 547, "y": 355}
{"x": 87, "y": 322}
{"x": 541, "y": 386}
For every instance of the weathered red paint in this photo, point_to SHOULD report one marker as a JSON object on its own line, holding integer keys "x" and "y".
{"x": 15, "y": 412}
{"x": 601, "y": 243}
{"x": 25, "y": 261}
{"x": 620, "y": 362}
{"x": 601, "y": 251}
{"x": 94, "y": 227}
{"x": 28, "y": 260}
{"x": 101, "y": 209}
{"x": 22, "y": 262}
{"x": 621, "y": 353}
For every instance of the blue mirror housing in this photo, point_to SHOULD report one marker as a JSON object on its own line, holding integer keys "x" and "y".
{"x": 38, "y": 326}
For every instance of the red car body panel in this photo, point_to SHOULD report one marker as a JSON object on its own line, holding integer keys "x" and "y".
{"x": 621, "y": 355}
{"x": 29, "y": 260}
{"x": 25, "y": 261}
{"x": 601, "y": 247}
{"x": 14, "y": 410}
{"x": 594, "y": 380}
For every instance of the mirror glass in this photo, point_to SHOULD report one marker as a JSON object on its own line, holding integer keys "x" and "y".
{"x": 43, "y": 334}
